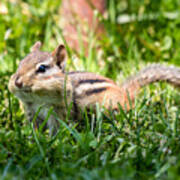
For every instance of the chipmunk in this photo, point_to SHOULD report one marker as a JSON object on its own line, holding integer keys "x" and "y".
{"x": 41, "y": 80}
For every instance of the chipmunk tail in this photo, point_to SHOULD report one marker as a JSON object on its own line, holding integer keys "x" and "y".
{"x": 151, "y": 74}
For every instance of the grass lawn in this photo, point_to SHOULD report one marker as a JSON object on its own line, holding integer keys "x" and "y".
{"x": 143, "y": 143}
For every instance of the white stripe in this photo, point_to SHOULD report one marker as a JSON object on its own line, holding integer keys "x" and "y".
{"x": 87, "y": 86}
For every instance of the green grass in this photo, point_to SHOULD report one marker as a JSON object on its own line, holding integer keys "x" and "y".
{"x": 143, "y": 143}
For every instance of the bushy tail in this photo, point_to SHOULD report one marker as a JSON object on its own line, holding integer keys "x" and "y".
{"x": 151, "y": 74}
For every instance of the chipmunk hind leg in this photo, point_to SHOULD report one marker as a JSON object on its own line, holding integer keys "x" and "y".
{"x": 114, "y": 97}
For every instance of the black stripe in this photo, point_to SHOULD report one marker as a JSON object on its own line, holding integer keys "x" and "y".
{"x": 91, "y": 81}
{"x": 94, "y": 91}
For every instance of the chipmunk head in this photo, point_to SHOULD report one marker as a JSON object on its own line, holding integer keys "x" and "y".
{"x": 39, "y": 73}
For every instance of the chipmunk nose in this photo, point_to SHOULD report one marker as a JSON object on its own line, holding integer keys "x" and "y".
{"x": 18, "y": 82}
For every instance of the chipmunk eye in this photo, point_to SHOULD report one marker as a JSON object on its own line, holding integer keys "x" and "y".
{"x": 42, "y": 68}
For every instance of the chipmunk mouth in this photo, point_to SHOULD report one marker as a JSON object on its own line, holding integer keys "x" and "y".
{"x": 25, "y": 94}
{"x": 26, "y": 90}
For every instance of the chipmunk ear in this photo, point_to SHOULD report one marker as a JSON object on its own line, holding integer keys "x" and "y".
{"x": 59, "y": 55}
{"x": 36, "y": 46}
